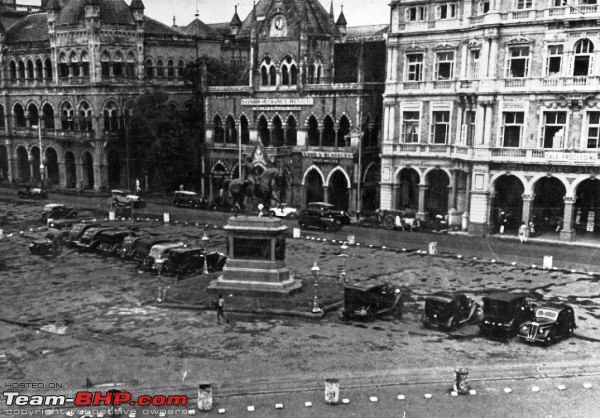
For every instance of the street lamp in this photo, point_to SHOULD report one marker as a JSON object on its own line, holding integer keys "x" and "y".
{"x": 39, "y": 127}
{"x": 315, "y": 305}
{"x": 204, "y": 240}
{"x": 343, "y": 274}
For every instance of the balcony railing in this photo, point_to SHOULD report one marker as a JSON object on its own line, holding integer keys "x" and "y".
{"x": 443, "y": 84}
{"x": 520, "y": 14}
{"x": 515, "y": 82}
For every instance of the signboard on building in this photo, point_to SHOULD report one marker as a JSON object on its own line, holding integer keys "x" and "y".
{"x": 277, "y": 102}
{"x": 576, "y": 157}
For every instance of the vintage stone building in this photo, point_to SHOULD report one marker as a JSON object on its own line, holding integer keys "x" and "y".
{"x": 310, "y": 105}
{"x": 493, "y": 107}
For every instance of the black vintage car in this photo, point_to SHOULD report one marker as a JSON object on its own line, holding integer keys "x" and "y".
{"x": 109, "y": 241}
{"x": 328, "y": 210}
{"x": 52, "y": 211}
{"x": 183, "y": 261}
{"x": 503, "y": 313}
{"x": 190, "y": 200}
{"x": 91, "y": 237}
{"x": 449, "y": 310}
{"x": 370, "y": 299}
{"x": 317, "y": 220}
{"x": 63, "y": 225}
{"x": 137, "y": 248}
{"x": 32, "y": 193}
{"x": 216, "y": 262}
{"x": 552, "y": 322}
{"x": 51, "y": 244}
{"x": 77, "y": 230}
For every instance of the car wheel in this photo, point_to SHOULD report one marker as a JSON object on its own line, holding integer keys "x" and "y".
{"x": 548, "y": 341}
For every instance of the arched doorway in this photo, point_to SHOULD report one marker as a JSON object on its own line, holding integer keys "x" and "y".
{"x": 291, "y": 131}
{"x": 508, "y": 203}
{"x": 22, "y": 164}
{"x": 48, "y": 114}
{"x": 314, "y": 189}
{"x": 218, "y": 177}
{"x": 370, "y": 189}
{"x": 548, "y": 204}
{"x": 277, "y": 132}
{"x": 313, "y": 133}
{"x": 328, "y": 134}
{"x": 218, "y": 130}
{"x": 34, "y": 115}
{"x": 35, "y": 162}
{"x": 344, "y": 129}
{"x": 338, "y": 191}
{"x": 3, "y": 163}
{"x": 587, "y": 207}
{"x": 52, "y": 166}
{"x": 263, "y": 131}
{"x": 88, "y": 161}
{"x": 407, "y": 193}
{"x": 436, "y": 199}
{"x": 114, "y": 169}
{"x": 70, "y": 173}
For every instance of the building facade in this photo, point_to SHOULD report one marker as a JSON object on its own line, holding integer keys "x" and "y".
{"x": 69, "y": 70}
{"x": 310, "y": 105}
{"x": 491, "y": 110}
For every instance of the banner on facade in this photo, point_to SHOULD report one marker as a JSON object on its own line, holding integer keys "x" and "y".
{"x": 582, "y": 157}
{"x": 277, "y": 102}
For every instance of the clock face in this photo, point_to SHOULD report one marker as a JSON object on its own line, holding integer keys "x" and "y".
{"x": 279, "y": 23}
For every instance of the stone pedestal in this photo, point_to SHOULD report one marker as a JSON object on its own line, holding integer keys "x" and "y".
{"x": 256, "y": 258}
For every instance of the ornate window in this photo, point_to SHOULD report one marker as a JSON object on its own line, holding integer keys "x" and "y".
{"x": 593, "y": 129}
{"x": 554, "y": 60}
{"x": 440, "y": 127}
{"x": 484, "y": 6}
{"x": 148, "y": 69}
{"x": 446, "y": 11}
{"x": 415, "y": 14}
{"x": 85, "y": 117}
{"x": 85, "y": 61}
{"x": 268, "y": 72}
{"x": 553, "y": 129}
{"x": 33, "y": 115}
{"x": 105, "y": 64}
{"x": 13, "y": 70}
{"x": 2, "y": 123}
{"x": 288, "y": 72}
{"x": 475, "y": 57}
{"x": 111, "y": 117}
{"x": 410, "y": 130}
{"x": 118, "y": 67}
{"x": 444, "y": 69}
{"x": 524, "y": 4}
{"x": 414, "y": 67}
{"x": 584, "y": 58}
{"x": 30, "y": 69}
{"x": 67, "y": 117}
{"x": 39, "y": 69}
{"x": 48, "y": 115}
{"x": 181, "y": 68}
{"x": 517, "y": 64}
{"x": 512, "y": 128}
{"x": 19, "y": 113}
{"x": 130, "y": 67}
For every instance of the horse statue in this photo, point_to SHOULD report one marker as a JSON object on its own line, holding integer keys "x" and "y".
{"x": 264, "y": 186}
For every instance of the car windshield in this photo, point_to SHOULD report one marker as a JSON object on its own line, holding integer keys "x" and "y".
{"x": 497, "y": 308}
{"x": 437, "y": 307}
{"x": 547, "y": 313}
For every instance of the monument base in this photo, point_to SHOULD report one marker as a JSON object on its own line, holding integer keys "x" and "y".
{"x": 221, "y": 285}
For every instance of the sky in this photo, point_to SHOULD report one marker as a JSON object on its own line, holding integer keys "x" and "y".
{"x": 357, "y": 12}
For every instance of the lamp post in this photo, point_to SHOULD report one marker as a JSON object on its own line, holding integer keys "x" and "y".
{"x": 343, "y": 274}
{"x": 39, "y": 127}
{"x": 315, "y": 305}
{"x": 205, "y": 239}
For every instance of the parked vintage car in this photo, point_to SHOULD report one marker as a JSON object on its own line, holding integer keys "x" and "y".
{"x": 370, "y": 299}
{"x": 91, "y": 238}
{"x": 77, "y": 230}
{"x": 221, "y": 203}
{"x": 32, "y": 193}
{"x": 216, "y": 262}
{"x": 398, "y": 220}
{"x": 138, "y": 248}
{"x": 449, "y": 310}
{"x": 328, "y": 210}
{"x": 190, "y": 200}
{"x": 109, "y": 241}
{"x": 181, "y": 261}
{"x": 156, "y": 256}
{"x": 51, "y": 244}
{"x": 503, "y": 313}
{"x": 62, "y": 224}
{"x": 284, "y": 211}
{"x": 57, "y": 211}
{"x": 124, "y": 199}
{"x": 313, "y": 219}
{"x": 552, "y": 322}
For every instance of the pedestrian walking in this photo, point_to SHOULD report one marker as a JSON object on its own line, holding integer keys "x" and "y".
{"x": 221, "y": 306}
{"x": 522, "y": 233}
{"x": 531, "y": 228}
{"x": 138, "y": 190}
{"x": 182, "y": 188}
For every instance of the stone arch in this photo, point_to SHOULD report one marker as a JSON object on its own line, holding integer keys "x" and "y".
{"x": 70, "y": 170}
{"x": 343, "y": 171}
{"x": 530, "y": 189}
{"x": 328, "y": 132}
{"x": 277, "y": 135}
{"x": 313, "y": 131}
{"x": 19, "y": 115}
{"x": 507, "y": 202}
{"x": 87, "y": 160}
{"x": 430, "y": 169}
{"x": 12, "y": 66}
{"x": 437, "y": 193}
{"x": 496, "y": 176}
{"x": 218, "y": 129}
{"x": 39, "y": 68}
{"x": 549, "y": 193}
{"x": 408, "y": 181}
{"x": 52, "y": 165}
{"x": 30, "y": 68}
{"x": 313, "y": 181}
{"x": 85, "y": 115}
{"x": 339, "y": 186}
{"x": 149, "y": 68}
{"x": 3, "y": 162}
{"x": 291, "y": 131}
{"x": 309, "y": 169}
{"x": 231, "y": 132}
{"x": 587, "y": 204}
{"x": 22, "y": 163}
{"x": 263, "y": 132}
{"x": 111, "y": 113}
{"x": 344, "y": 130}
{"x": 33, "y": 114}
{"x": 244, "y": 129}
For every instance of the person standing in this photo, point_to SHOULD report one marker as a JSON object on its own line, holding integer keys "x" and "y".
{"x": 221, "y": 307}
{"x": 522, "y": 233}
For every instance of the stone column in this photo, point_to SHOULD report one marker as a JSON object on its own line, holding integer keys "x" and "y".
{"x": 386, "y": 192}
{"x": 321, "y": 131}
{"x": 452, "y": 192}
{"x": 97, "y": 175}
{"x": 484, "y": 59}
{"x": 479, "y": 123}
{"x": 421, "y": 214}
{"x": 527, "y": 208}
{"x": 464, "y": 62}
{"x": 395, "y": 196}
{"x": 273, "y": 250}
{"x": 31, "y": 162}
{"x": 488, "y": 121}
{"x": 568, "y": 226}
{"x": 336, "y": 138}
{"x": 211, "y": 188}
{"x": 493, "y": 58}
{"x": 325, "y": 189}
{"x": 352, "y": 192}
{"x": 79, "y": 176}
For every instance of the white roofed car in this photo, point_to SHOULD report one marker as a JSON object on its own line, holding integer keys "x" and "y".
{"x": 284, "y": 211}
{"x": 123, "y": 198}
{"x": 156, "y": 256}
{"x": 54, "y": 211}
